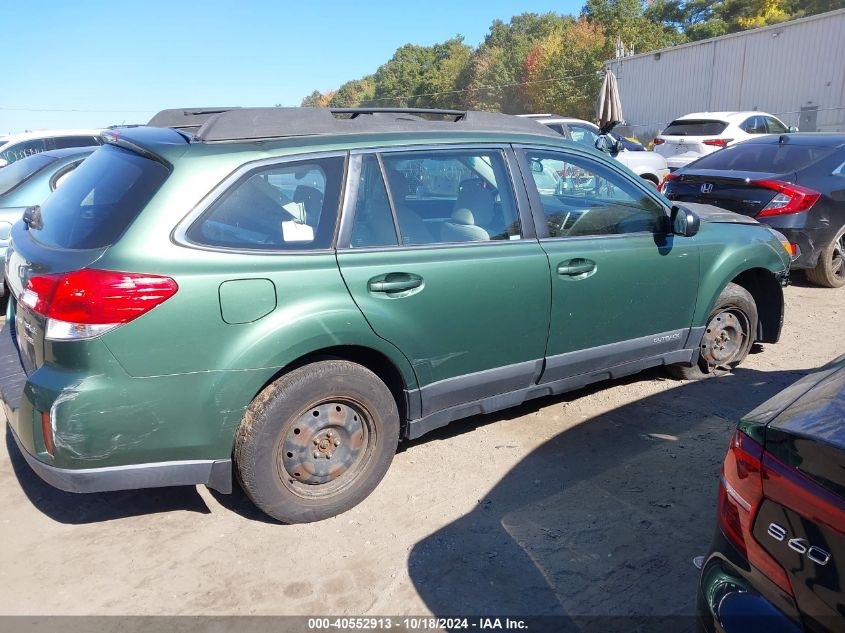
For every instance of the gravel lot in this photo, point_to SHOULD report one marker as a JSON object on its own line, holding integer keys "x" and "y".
{"x": 593, "y": 503}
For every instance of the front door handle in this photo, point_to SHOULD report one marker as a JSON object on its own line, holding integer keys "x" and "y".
{"x": 394, "y": 283}
{"x": 576, "y": 267}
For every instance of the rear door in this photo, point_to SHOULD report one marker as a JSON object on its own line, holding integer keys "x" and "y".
{"x": 444, "y": 266}
{"x": 623, "y": 289}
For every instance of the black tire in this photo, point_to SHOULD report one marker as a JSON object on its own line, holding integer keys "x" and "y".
{"x": 317, "y": 441}
{"x": 830, "y": 271}
{"x": 730, "y": 332}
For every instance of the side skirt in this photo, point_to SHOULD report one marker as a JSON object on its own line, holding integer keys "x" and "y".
{"x": 423, "y": 425}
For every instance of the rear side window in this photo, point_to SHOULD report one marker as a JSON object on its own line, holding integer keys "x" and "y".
{"x": 292, "y": 206}
{"x": 694, "y": 127}
{"x": 23, "y": 149}
{"x": 99, "y": 200}
{"x": 760, "y": 157}
{"x": 20, "y": 171}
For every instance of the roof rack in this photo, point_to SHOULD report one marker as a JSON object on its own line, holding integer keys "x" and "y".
{"x": 186, "y": 119}
{"x": 253, "y": 124}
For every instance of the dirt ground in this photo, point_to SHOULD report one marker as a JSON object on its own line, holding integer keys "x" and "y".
{"x": 593, "y": 503}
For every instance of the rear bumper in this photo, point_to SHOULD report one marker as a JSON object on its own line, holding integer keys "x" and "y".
{"x": 734, "y": 597}
{"x": 215, "y": 474}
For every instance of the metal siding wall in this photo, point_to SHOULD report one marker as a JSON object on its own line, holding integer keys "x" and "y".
{"x": 777, "y": 70}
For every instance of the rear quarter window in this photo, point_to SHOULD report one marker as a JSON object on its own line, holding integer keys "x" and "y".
{"x": 99, "y": 200}
{"x": 771, "y": 158}
{"x": 694, "y": 127}
{"x": 290, "y": 206}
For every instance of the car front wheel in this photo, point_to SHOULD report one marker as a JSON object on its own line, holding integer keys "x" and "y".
{"x": 317, "y": 441}
{"x": 728, "y": 336}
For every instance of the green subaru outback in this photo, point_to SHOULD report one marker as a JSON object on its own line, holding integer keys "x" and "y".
{"x": 285, "y": 294}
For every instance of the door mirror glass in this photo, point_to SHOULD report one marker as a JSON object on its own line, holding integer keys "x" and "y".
{"x": 607, "y": 144}
{"x": 536, "y": 166}
{"x": 684, "y": 222}
{"x": 793, "y": 128}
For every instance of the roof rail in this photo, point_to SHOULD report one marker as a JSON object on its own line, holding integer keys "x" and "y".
{"x": 185, "y": 118}
{"x": 355, "y": 112}
{"x": 253, "y": 124}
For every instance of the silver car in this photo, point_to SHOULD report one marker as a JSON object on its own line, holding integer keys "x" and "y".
{"x": 649, "y": 166}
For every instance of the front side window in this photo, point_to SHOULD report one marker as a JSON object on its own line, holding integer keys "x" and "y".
{"x": 23, "y": 149}
{"x": 755, "y": 125}
{"x": 291, "y": 206}
{"x": 582, "y": 197}
{"x": 583, "y": 135}
{"x": 445, "y": 196}
{"x": 775, "y": 127}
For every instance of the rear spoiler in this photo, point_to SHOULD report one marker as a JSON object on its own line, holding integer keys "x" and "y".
{"x": 141, "y": 140}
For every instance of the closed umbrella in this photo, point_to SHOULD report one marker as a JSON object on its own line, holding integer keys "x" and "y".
{"x": 608, "y": 104}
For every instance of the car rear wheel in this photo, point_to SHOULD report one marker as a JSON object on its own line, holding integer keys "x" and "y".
{"x": 317, "y": 441}
{"x": 830, "y": 271}
{"x": 727, "y": 338}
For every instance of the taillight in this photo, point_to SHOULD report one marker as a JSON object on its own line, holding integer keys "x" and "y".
{"x": 717, "y": 142}
{"x": 666, "y": 179}
{"x": 47, "y": 433}
{"x": 88, "y": 302}
{"x": 740, "y": 495}
{"x": 789, "y": 199}
{"x": 658, "y": 141}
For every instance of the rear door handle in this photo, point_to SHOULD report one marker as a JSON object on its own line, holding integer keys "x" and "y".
{"x": 394, "y": 282}
{"x": 576, "y": 267}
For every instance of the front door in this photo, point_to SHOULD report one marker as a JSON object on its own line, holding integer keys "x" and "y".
{"x": 623, "y": 289}
{"x": 441, "y": 265}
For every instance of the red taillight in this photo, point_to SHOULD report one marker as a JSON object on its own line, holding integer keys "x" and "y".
{"x": 789, "y": 199}
{"x": 717, "y": 142}
{"x": 47, "y": 433}
{"x": 666, "y": 179}
{"x": 658, "y": 141}
{"x": 95, "y": 298}
{"x": 740, "y": 495}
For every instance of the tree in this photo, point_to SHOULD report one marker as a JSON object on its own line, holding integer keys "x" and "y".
{"x": 318, "y": 99}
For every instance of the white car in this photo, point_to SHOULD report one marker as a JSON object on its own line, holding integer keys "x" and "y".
{"x": 647, "y": 165}
{"x": 17, "y": 146}
{"x": 694, "y": 135}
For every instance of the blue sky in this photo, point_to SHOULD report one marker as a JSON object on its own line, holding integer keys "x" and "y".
{"x": 95, "y": 63}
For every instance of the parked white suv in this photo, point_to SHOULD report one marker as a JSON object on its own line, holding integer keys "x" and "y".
{"x": 17, "y": 146}
{"x": 647, "y": 165}
{"x": 694, "y": 135}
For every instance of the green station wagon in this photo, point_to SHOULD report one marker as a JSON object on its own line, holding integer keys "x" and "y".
{"x": 286, "y": 293}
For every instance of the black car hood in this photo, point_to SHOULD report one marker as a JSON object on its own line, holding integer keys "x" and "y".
{"x": 709, "y": 213}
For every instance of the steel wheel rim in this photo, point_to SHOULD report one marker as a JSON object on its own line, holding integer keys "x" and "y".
{"x": 325, "y": 448}
{"x": 725, "y": 338}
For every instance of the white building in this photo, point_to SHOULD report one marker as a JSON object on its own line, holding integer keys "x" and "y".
{"x": 795, "y": 70}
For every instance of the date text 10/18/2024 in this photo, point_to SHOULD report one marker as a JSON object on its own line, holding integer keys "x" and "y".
{"x": 415, "y": 624}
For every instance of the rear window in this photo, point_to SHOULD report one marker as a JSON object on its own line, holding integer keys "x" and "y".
{"x": 769, "y": 158}
{"x": 99, "y": 200}
{"x": 694, "y": 127}
{"x": 20, "y": 171}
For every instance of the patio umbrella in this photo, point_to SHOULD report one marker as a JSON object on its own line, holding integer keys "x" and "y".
{"x": 608, "y": 104}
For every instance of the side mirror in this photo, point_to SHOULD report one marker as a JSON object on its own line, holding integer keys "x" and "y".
{"x": 793, "y": 128}
{"x": 536, "y": 166}
{"x": 608, "y": 144}
{"x": 684, "y": 222}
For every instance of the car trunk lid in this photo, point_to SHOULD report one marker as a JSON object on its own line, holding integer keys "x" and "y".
{"x": 734, "y": 191}
{"x": 801, "y": 523}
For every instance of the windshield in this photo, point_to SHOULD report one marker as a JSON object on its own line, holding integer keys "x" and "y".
{"x": 694, "y": 127}
{"x": 99, "y": 200}
{"x": 764, "y": 158}
{"x": 20, "y": 171}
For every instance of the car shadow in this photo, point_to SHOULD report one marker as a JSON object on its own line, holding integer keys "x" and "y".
{"x": 598, "y": 526}
{"x": 71, "y": 508}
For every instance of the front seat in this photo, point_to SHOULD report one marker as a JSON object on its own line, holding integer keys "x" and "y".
{"x": 312, "y": 202}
